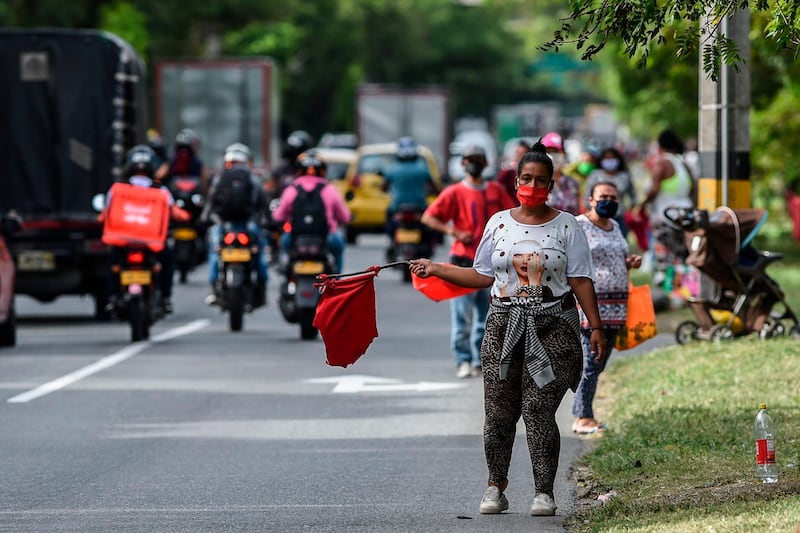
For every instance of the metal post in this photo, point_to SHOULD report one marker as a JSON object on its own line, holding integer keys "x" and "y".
{"x": 724, "y": 125}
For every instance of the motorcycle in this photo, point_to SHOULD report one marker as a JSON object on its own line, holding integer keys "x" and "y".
{"x": 411, "y": 239}
{"x": 138, "y": 295}
{"x": 308, "y": 258}
{"x": 188, "y": 236}
{"x": 237, "y": 283}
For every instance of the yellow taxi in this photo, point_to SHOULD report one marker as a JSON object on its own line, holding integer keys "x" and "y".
{"x": 363, "y": 186}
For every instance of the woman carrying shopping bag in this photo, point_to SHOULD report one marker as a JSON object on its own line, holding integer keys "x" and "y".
{"x": 611, "y": 263}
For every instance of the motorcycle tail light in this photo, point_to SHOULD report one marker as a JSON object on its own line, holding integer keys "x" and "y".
{"x": 243, "y": 238}
{"x": 229, "y": 238}
{"x": 287, "y": 227}
{"x": 185, "y": 185}
{"x": 136, "y": 257}
{"x": 408, "y": 217}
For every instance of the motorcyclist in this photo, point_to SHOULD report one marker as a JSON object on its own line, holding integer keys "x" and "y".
{"x": 297, "y": 142}
{"x": 311, "y": 171}
{"x": 156, "y": 142}
{"x": 140, "y": 167}
{"x": 252, "y": 218}
{"x": 408, "y": 181}
{"x": 186, "y": 161}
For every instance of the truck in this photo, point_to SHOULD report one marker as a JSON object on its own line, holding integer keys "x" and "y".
{"x": 386, "y": 112}
{"x": 224, "y": 101}
{"x": 73, "y": 102}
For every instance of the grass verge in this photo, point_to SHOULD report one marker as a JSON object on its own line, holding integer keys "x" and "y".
{"x": 679, "y": 449}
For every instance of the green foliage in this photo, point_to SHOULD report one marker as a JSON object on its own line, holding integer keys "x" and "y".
{"x": 639, "y": 25}
{"x": 126, "y": 21}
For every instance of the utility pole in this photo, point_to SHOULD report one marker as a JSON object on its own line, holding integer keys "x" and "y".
{"x": 724, "y": 124}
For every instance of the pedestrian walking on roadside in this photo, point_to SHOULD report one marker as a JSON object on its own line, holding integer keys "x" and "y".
{"x": 614, "y": 169}
{"x": 566, "y": 193}
{"x": 462, "y": 211}
{"x": 672, "y": 185}
{"x": 611, "y": 262}
{"x": 531, "y": 350}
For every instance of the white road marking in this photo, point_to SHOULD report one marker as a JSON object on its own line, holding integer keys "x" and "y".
{"x": 359, "y": 383}
{"x": 106, "y": 362}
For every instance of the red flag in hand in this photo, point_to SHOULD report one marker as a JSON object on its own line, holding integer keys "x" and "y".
{"x": 345, "y": 317}
{"x": 438, "y": 289}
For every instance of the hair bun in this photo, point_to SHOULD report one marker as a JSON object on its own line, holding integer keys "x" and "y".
{"x": 539, "y": 147}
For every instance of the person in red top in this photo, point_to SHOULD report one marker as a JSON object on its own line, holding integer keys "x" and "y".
{"x": 461, "y": 211}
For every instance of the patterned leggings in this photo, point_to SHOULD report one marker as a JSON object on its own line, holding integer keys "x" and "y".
{"x": 506, "y": 400}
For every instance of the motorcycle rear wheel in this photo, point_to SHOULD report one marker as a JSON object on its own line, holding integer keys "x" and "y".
{"x": 235, "y": 308}
{"x": 137, "y": 317}
{"x": 307, "y": 329}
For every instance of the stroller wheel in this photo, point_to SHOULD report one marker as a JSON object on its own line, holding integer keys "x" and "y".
{"x": 772, "y": 329}
{"x": 794, "y": 332}
{"x": 720, "y": 333}
{"x": 686, "y": 332}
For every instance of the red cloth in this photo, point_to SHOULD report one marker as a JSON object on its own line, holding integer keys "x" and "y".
{"x": 346, "y": 317}
{"x": 438, "y": 289}
{"x": 793, "y": 203}
{"x": 640, "y": 227}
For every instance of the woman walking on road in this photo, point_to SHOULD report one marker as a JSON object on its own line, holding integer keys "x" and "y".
{"x": 531, "y": 352}
{"x": 611, "y": 264}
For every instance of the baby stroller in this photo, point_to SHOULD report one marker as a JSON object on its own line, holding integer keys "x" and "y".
{"x": 736, "y": 297}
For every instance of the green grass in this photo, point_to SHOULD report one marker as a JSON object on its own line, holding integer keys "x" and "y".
{"x": 679, "y": 449}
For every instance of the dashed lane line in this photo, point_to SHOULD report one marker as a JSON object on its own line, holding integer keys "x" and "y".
{"x": 106, "y": 362}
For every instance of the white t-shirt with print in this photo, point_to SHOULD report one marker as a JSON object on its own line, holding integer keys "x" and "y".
{"x": 561, "y": 244}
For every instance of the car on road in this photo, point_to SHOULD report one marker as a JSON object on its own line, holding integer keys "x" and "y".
{"x": 363, "y": 186}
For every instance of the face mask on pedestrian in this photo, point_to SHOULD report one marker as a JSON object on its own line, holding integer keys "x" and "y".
{"x": 531, "y": 196}
{"x": 474, "y": 168}
{"x": 606, "y": 208}
{"x": 610, "y": 164}
{"x": 558, "y": 160}
{"x": 584, "y": 167}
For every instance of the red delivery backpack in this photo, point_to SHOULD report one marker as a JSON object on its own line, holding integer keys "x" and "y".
{"x": 136, "y": 216}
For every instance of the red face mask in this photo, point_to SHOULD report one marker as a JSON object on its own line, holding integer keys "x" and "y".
{"x": 531, "y": 196}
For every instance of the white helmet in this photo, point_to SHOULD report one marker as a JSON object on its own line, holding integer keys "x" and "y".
{"x": 237, "y": 153}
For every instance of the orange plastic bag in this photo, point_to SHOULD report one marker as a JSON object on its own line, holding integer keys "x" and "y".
{"x": 136, "y": 215}
{"x": 641, "y": 322}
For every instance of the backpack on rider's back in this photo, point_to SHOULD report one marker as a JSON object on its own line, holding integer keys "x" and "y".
{"x": 233, "y": 195}
{"x": 308, "y": 212}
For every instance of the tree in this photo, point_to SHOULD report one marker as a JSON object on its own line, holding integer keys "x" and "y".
{"x": 639, "y": 24}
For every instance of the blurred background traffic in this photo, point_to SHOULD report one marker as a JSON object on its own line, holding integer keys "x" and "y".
{"x": 347, "y": 77}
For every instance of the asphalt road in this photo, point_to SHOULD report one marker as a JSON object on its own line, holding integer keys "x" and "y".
{"x": 201, "y": 429}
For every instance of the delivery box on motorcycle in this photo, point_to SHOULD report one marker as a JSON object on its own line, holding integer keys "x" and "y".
{"x": 136, "y": 216}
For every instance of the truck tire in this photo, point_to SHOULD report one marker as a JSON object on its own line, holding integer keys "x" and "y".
{"x": 101, "y": 300}
{"x": 8, "y": 329}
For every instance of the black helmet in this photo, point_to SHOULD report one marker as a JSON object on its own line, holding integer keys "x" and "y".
{"x": 298, "y": 142}
{"x": 140, "y": 160}
{"x": 187, "y": 137}
{"x": 309, "y": 163}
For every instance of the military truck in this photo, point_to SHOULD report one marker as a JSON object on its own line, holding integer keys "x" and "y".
{"x": 72, "y": 103}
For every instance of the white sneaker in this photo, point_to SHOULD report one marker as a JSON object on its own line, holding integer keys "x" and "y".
{"x": 493, "y": 502}
{"x": 464, "y": 370}
{"x": 543, "y": 505}
{"x": 475, "y": 372}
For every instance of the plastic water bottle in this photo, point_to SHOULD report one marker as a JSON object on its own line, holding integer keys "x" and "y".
{"x": 766, "y": 469}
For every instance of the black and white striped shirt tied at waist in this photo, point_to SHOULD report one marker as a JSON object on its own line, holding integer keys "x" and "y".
{"x": 522, "y": 313}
